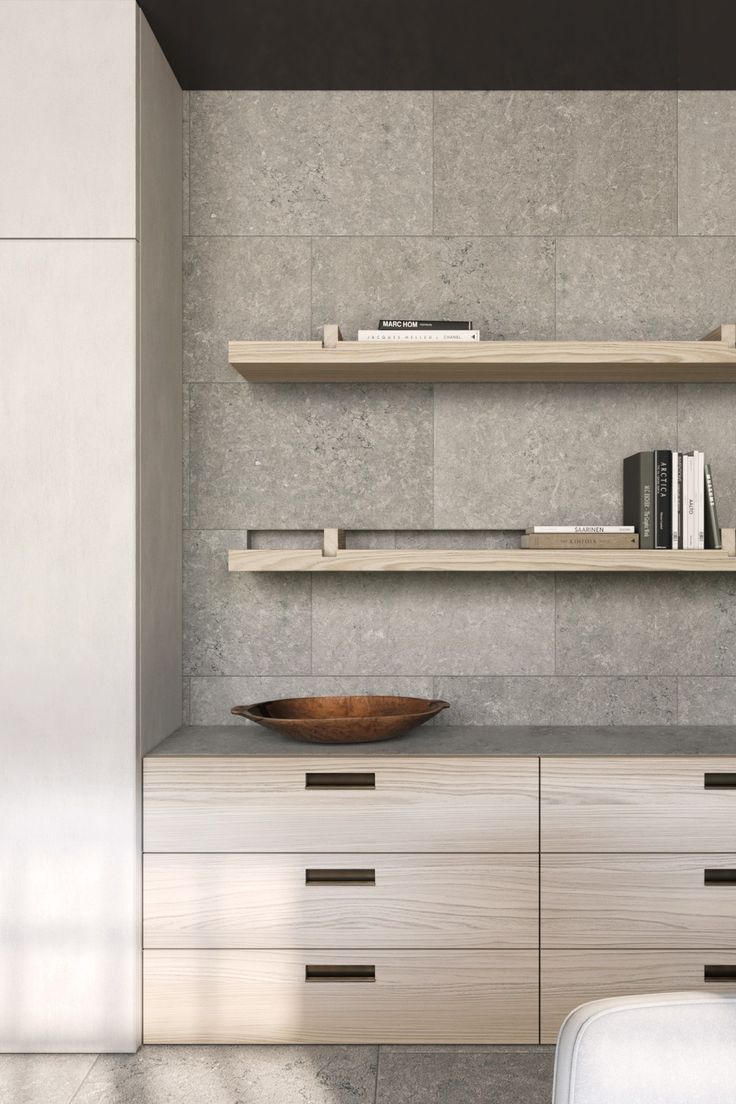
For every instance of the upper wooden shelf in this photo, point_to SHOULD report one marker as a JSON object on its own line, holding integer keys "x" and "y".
{"x": 712, "y": 360}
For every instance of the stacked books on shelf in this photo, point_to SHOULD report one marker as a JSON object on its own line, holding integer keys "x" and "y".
{"x": 419, "y": 329}
{"x": 581, "y": 536}
{"x": 669, "y": 499}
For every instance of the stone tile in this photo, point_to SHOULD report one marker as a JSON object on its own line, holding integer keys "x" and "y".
{"x": 536, "y": 162}
{"x": 458, "y": 538}
{"x": 707, "y": 162}
{"x": 311, "y": 162}
{"x": 511, "y": 455}
{"x": 465, "y": 1075}
{"x": 236, "y": 623}
{"x": 646, "y": 625}
{"x": 213, "y": 697}
{"x": 505, "y": 286}
{"x": 186, "y": 697}
{"x": 185, "y": 162}
{"x": 285, "y": 538}
{"x": 234, "y": 1075}
{"x": 389, "y": 624}
{"x": 707, "y": 701}
{"x": 644, "y": 288}
{"x": 706, "y": 417}
{"x": 311, "y": 456}
{"x": 370, "y": 538}
{"x": 185, "y": 458}
{"x": 519, "y": 700}
{"x": 42, "y": 1078}
{"x": 241, "y": 289}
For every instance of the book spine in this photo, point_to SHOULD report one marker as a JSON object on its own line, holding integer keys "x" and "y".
{"x": 688, "y": 506}
{"x": 700, "y": 499}
{"x": 639, "y": 496}
{"x": 580, "y": 529}
{"x": 418, "y": 335}
{"x": 712, "y": 529}
{"x": 580, "y": 540}
{"x": 421, "y": 324}
{"x": 663, "y": 503}
{"x": 675, "y": 500}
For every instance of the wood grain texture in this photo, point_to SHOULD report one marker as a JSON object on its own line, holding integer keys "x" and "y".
{"x": 570, "y": 978}
{"x": 419, "y": 805}
{"x": 636, "y": 901}
{"x": 235, "y": 996}
{"x": 417, "y": 901}
{"x": 619, "y": 805}
{"x": 483, "y": 559}
{"x": 498, "y": 361}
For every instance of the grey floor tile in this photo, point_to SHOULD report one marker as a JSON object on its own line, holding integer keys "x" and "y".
{"x": 311, "y": 162}
{"x": 646, "y": 625}
{"x": 241, "y": 289}
{"x": 423, "y": 624}
{"x": 707, "y": 701}
{"x": 310, "y": 456}
{"x": 42, "y": 1078}
{"x": 212, "y": 697}
{"x": 707, "y": 162}
{"x": 234, "y": 1075}
{"x": 563, "y": 162}
{"x": 237, "y": 622}
{"x": 505, "y": 287}
{"x": 465, "y": 1075}
{"x": 511, "y": 455}
{"x": 644, "y": 288}
{"x": 558, "y": 700}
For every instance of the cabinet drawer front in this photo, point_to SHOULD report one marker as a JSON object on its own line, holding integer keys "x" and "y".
{"x": 639, "y": 901}
{"x": 236, "y": 996}
{"x": 348, "y": 900}
{"x": 640, "y": 805}
{"x": 340, "y": 804}
{"x": 570, "y": 978}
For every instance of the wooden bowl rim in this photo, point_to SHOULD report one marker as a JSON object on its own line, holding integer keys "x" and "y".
{"x": 432, "y": 705}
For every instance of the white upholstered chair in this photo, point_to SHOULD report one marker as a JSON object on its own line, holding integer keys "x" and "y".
{"x": 668, "y": 1048}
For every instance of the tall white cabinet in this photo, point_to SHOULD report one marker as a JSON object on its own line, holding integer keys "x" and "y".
{"x": 90, "y": 483}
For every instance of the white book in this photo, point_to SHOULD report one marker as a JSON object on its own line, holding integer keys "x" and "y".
{"x": 688, "y": 512}
{"x": 419, "y": 335}
{"x": 675, "y": 500}
{"x": 700, "y": 500}
{"x": 581, "y": 529}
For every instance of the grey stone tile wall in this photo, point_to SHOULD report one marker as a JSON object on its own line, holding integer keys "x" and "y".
{"x": 538, "y": 214}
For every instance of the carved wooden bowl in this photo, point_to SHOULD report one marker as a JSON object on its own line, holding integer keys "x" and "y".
{"x": 353, "y": 719}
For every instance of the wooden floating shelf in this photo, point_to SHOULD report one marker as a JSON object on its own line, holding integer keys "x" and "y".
{"x": 334, "y": 557}
{"x": 332, "y": 360}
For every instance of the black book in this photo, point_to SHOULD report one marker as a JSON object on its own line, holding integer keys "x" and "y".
{"x": 712, "y": 530}
{"x": 421, "y": 324}
{"x": 639, "y": 496}
{"x": 663, "y": 498}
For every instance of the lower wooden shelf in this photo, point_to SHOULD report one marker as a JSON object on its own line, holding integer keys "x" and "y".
{"x": 334, "y": 558}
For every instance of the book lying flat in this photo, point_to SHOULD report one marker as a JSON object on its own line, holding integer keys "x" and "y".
{"x": 418, "y": 335}
{"x": 421, "y": 324}
{"x": 581, "y": 529}
{"x": 581, "y": 540}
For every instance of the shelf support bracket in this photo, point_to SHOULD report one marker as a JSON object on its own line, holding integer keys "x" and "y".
{"x": 726, "y": 333}
{"x": 332, "y": 541}
{"x": 728, "y": 541}
{"x": 330, "y": 336}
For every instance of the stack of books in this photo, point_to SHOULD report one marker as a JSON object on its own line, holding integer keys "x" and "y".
{"x": 580, "y": 536}
{"x": 420, "y": 329}
{"x": 669, "y": 499}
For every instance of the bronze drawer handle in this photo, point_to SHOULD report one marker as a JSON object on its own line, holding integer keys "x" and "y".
{"x": 340, "y": 780}
{"x": 339, "y": 973}
{"x": 720, "y": 780}
{"x": 720, "y": 973}
{"x": 342, "y": 877}
{"x": 719, "y": 876}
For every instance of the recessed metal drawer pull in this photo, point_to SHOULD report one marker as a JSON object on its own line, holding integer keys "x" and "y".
{"x": 339, "y": 973}
{"x": 327, "y": 877}
{"x": 720, "y": 780}
{"x": 340, "y": 780}
{"x": 720, "y": 973}
{"x": 719, "y": 876}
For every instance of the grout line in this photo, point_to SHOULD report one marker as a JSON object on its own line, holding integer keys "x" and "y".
{"x": 76, "y": 1092}
{"x": 430, "y": 237}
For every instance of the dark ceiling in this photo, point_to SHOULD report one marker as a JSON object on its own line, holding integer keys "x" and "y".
{"x": 463, "y": 44}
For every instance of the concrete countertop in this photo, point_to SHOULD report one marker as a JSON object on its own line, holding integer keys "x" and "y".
{"x": 445, "y": 740}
